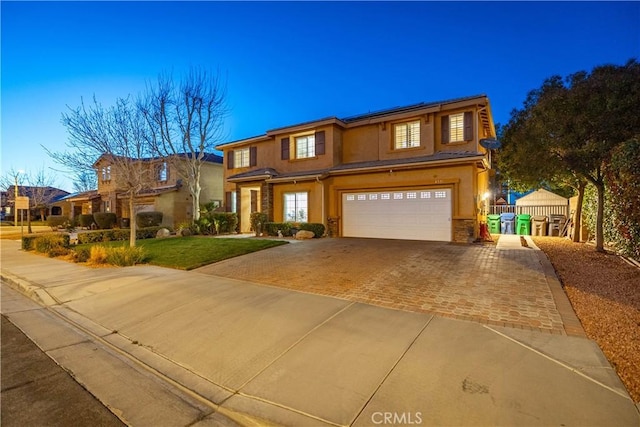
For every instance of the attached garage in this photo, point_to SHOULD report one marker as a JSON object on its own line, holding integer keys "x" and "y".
{"x": 423, "y": 214}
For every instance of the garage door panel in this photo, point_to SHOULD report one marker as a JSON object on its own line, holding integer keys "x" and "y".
{"x": 412, "y": 215}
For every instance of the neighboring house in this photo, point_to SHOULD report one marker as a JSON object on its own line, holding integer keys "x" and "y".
{"x": 86, "y": 202}
{"x": 41, "y": 200}
{"x": 168, "y": 193}
{"x": 416, "y": 172}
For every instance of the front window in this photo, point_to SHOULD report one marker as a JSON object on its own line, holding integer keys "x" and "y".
{"x": 305, "y": 146}
{"x": 456, "y": 127}
{"x": 241, "y": 158}
{"x": 407, "y": 135}
{"x": 296, "y": 207}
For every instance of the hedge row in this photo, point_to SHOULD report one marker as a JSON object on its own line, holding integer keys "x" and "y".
{"x": 30, "y": 243}
{"x": 286, "y": 228}
{"x": 117, "y": 234}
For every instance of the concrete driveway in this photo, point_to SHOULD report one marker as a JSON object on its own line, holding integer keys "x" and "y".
{"x": 507, "y": 286}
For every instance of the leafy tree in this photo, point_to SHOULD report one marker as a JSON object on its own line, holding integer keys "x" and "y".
{"x": 186, "y": 123}
{"x": 576, "y": 123}
{"x": 623, "y": 180}
{"x": 117, "y": 135}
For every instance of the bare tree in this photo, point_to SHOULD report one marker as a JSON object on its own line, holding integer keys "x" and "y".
{"x": 186, "y": 123}
{"x": 117, "y": 136}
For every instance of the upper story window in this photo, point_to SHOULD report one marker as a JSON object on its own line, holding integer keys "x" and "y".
{"x": 106, "y": 173}
{"x": 162, "y": 172}
{"x": 305, "y": 146}
{"x": 457, "y": 127}
{"x": 241, "y": 158}
{"x": 407, "y": 135}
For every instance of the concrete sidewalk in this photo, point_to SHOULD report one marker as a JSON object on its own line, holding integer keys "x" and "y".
{"x": 168, "y": 347}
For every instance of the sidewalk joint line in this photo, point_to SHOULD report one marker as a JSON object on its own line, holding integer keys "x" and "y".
{"x": 564, "y": 365}
{"x": 392, "y": 369}
{"x": 275, "y": 359}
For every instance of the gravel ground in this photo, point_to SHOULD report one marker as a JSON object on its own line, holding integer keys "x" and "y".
{"x": 605, "y": 293}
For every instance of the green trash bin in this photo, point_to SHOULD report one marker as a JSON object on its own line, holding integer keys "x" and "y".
{"x": 523, "y": 224}
{"x": 494, "y": 223}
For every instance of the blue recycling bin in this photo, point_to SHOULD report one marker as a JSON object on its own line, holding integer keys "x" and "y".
{"x": 507, "y": 223}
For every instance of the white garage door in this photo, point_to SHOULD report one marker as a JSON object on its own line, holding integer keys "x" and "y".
{"x": 410, "y": 215}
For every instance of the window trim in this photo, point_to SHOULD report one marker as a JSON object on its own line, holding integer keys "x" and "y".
{"x": 286, "y": 218}
{"x": 310, "y": 145}
{"x": 239, "y": 157}
{"x": 408, "y": 143}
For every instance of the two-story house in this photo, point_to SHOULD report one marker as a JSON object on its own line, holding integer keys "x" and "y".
{"x": 417, "y": 172}
{"x": 165, "y": 190}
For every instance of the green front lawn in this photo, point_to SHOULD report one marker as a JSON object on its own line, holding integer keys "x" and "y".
{"x": 187, "y": 253}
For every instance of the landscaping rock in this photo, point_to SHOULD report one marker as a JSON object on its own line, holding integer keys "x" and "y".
{"x": 163, "y": 232}
{"x": 184, "y": 232}
{"x": 304, "y": 234}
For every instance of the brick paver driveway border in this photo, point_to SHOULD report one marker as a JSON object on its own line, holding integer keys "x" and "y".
{"x": 474, "y": 282}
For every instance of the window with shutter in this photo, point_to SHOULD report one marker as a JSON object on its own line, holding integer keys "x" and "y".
{"x": 407, "y": 135}
{"x": 305, "y": 146}
{"x": 241, "y": 158}
{"x": 457, "y": 127}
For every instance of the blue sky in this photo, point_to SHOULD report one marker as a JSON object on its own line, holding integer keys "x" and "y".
{"x": 290, "y": 62}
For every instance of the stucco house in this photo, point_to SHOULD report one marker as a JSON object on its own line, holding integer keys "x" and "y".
{"x": 167, "y": 193}
{"x": 417, "y": 172}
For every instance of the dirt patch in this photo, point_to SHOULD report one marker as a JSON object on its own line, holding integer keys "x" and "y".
{"x": 605, "y": 293}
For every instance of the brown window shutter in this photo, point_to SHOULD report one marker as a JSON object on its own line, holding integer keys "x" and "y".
{"x": 468, "y": 126}
{"x": 445, "y": 129}
{"x": 319, "y": 143}
{"x": 227, "y": 201}
{"x": 253, "y": 156}
{"x": 284, "y": 147}
{"x": 230, "y": 159}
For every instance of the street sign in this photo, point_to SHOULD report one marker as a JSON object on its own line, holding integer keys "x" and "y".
{"x": 22, "y": 202}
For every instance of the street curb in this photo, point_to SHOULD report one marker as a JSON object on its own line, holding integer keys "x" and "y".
{"x": 25, "y": 287}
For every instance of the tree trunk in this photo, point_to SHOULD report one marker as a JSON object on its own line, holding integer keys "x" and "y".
{"x": 195, "y": 195}
{"x": 577, "y": 223}
{"x": 132, "y": 223}
{"x": 600, "y": 218}
{"x": 29, "y": 230}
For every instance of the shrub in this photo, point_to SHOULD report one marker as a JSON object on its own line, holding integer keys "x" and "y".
{"x": 116, "y": 235}
{"x": 272, "y": 228}
{"x": 204, "y": 225}
{"x": 318, "y": 229}
{"x": 58, "y": 221}
{"x": 257, "y": 220}
{"x": 105, "y": 220}
{"x": 97, "y": 255}
{"x": 186, "y": 228}
{"x": 82, "y": 254}
{"x": 225, "y": 222}
{"x": 51, "y": 244}
{"x": 148, "y": 219}
{"x": 85, "y": 220}
{"x": 27, "y": 243}
{"x": 124, "y": 256}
